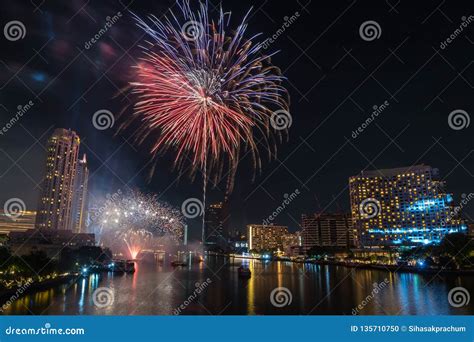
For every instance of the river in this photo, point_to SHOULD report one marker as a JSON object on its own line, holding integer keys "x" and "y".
{"x": 213, "y": 288}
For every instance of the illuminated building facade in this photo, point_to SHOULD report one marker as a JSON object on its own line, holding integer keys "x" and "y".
{"x": 80, "y": 198}
{"x": 265, "y": 237}
{"x": 402, "y": 206}
{"x": 55, "y": 204}
{"x": 290, "y": 242}
{"x": 214, "y": 224}
{"x": 326, "y": 230}
{"x": 17, "y": 224}
{"x": 470, "y": 228}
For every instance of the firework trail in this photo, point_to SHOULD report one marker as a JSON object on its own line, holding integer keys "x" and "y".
{"x": 206, "y": 92}
{"x": 138, "y": 221}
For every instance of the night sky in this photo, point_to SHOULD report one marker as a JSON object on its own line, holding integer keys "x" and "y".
{"x": 335, "y": 78}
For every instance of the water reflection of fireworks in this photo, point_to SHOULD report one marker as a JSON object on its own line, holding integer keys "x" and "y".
{"x": 137, "y": 221}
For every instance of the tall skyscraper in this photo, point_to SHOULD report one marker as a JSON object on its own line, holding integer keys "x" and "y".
{"x": 55, "y": 204}
{"x": 266, "y": 237}
{"x": 214, "y": 224}
{"x": 80, "y": 197}
{"x": 401, "y": 206}
{"x": 326, "y": 230}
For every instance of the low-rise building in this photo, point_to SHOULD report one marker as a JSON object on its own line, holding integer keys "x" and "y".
{"x": 265, "y": 237}
{"x": 50, "y": 241}
{"x": 326, "y": 230}
{"x": 9, "y": 223}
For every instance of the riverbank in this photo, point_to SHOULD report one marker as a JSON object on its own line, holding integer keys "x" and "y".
{"x": 396, "y": 268}
{"x": 38, "y": 286}
{"x": 389, "y": 268}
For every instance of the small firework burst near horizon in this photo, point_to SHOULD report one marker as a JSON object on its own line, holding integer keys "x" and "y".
{"x": 206, "y": 92}
{"x": 135, "y": 221}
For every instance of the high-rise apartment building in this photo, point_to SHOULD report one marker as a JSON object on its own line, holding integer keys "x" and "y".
{"x": 214, "y": 224}
{"x": 80, "y": 198}
{"x": 55, "y": 204}
{"x": 401, "y": 206}
{"x": 266, "y": 237}
{"x": 326, "y": 230}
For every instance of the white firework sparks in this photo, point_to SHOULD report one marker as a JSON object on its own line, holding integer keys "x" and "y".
{"x": 139, "y": 221}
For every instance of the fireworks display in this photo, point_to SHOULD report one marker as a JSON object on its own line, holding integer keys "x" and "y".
{"x": 137, "y": 221}
{"x": 136, "y": 240}
{"x": 206, "y": 92}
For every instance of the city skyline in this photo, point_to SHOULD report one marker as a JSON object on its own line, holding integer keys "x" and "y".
{"x": 185, "y": 157}
{"x": 333, "y": 95}
{"x": 217, "y": 215}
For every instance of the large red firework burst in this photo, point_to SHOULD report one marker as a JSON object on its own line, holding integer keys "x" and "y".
{"x": 207, "y": 93}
